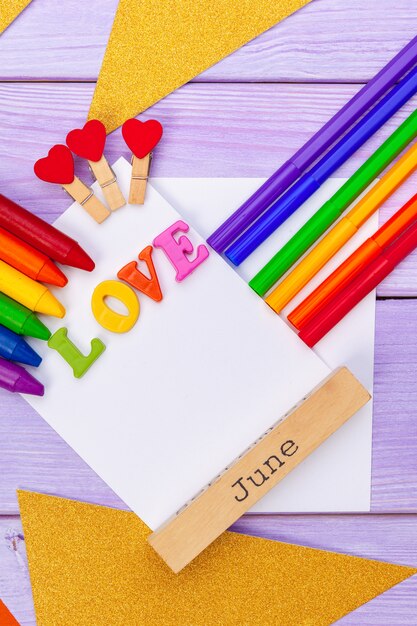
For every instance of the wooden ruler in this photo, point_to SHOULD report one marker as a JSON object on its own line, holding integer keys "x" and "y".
{"x": 278, "y": 451}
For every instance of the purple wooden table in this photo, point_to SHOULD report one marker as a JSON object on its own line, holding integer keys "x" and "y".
{"x": 240, "y": 118}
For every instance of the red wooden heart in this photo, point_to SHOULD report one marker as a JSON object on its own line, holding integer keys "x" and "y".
{"x": 57, "y": 167}
{"x": 141, "y": 137}
{"x": 88, "y": 142}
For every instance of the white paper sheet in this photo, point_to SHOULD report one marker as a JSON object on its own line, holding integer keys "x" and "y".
{"x": 200, "y": 376}
{"x": 337, "y": 477}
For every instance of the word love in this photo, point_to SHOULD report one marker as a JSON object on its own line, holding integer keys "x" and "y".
{"x": 178, "y": 252}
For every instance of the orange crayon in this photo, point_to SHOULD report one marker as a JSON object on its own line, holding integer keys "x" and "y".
{"x": 349, "y": 269}
{"x": 29, "y": 261}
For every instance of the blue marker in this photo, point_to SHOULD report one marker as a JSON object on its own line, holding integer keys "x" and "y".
{"x": 14, "y": 348}
{"x": 308, "y": 184}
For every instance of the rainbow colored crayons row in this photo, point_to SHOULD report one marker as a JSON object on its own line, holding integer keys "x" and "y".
{"x": 29, "y": 248}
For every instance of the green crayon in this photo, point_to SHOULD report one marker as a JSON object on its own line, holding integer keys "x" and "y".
{"x": 21, "y": 320}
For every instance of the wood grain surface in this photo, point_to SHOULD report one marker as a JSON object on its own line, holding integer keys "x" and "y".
{"x": 243, "y": 117}
{"x": 320, "y": 43}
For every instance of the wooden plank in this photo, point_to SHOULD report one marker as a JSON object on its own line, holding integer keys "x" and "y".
{"x": 368, "y": 535}
{"x": 15, "y": 587}
{"x": 318, "y": 43}
{"x": 394, "y": 467}
{"x": 34, "y": 117}
{"x": 266, "y": 462}
{"x": 32, "y": 455}
{"x": 385, "y": 537}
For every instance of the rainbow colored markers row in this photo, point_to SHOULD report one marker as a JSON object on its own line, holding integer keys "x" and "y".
{"x": 294, "y": 265}
{"x": 28, "y": 248}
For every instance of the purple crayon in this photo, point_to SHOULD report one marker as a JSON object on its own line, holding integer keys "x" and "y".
{"x": 15, "y": 378}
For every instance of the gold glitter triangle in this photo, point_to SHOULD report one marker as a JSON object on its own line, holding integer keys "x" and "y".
{"x": 9, "y": 10}
{"x": 156, "y": 46}
{"x": 91, "y": 565}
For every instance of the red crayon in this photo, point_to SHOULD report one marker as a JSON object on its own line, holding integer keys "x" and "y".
{"x": 42, "y": 236}
{"x": 359, "y": 287}
{"x": 16, "y": 379}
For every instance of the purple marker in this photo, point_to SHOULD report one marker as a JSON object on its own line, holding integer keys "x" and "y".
{"x": 305, "y": 156}
{"x": 15, "y": 378}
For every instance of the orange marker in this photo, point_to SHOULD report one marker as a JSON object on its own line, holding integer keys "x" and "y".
{"x": 343, "y": 230}
{"x": 354, "y": 264}
{"x": 29, "y": 261}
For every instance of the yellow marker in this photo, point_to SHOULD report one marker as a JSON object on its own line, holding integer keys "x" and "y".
{"x": 28, "y": 292}
{"x": 342, "y": 231}
{"x": 109, "y": 319}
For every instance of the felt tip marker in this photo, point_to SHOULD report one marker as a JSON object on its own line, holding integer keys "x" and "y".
{"x": 359, "y": 287}
{"x": 308, "y": 184}
{"x": 14, "y": 348}
{"x": 353, "y": 265}
{"x": 42, "y": 236}
{"x": 292, "y": 169}
{"x": 331, "y": 210}
{"x": 28, "y": 292}
{"x": 342, "y": 231}
{"x": 21, "y": 320}
{"x": 16, "y": 379}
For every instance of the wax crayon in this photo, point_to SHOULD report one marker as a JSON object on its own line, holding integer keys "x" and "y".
{"x": 21, "y": 320}
{"x": 305, "y": 156}
{"x": 14, "y": 348}
{"x": 28, "y": 260}
{"x": 28, "y": 292}
{"x": 15, "y": 378}
{"x": 310, "y": 182}
{"x": 42, "y": 236}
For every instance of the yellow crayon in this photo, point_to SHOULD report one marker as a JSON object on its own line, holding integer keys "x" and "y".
{"x": 342, "y": 231}
{"x": 28, "y": 292}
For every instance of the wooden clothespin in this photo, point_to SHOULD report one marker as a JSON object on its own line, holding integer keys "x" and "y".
{"x": 88, "y": 143}
{"x": 58, "y": 167}
{"x": 141, "y": 138}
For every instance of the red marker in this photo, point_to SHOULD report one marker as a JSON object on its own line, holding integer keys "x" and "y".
{"x": 359, "y": 287}
{"x": 354, "y": 264}
{"x": 42, "y": 236}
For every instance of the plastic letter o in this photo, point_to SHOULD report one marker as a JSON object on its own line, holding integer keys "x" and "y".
{"x": 105, "y": 316}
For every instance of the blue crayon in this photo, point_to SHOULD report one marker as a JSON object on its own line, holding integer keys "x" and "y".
{"x": 308, "y": 184}
{"x": 14, "y": 348}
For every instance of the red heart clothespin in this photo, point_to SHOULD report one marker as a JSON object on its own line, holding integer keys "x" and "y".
{"x": 141, "y": 138}
{"x": 88, "y": 143}
{"x": 58, "y": 167}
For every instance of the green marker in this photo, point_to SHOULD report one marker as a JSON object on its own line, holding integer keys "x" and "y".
{"x": 21, "y": 320}
{"x": 333, "y": 208}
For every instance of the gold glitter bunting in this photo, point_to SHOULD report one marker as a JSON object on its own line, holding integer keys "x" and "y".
{"x": 155, "y": 47}
{"x": 91, "y": 566}
{"x": 9, "y": 10}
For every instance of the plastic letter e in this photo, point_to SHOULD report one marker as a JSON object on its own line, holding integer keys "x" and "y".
{"x": 178, "y": 251}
